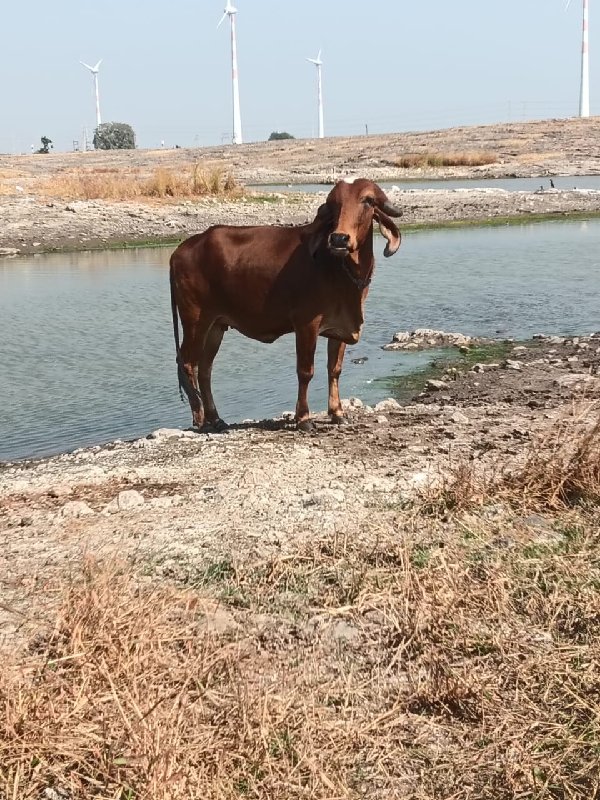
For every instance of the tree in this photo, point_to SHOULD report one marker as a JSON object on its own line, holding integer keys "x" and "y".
{"x": 280, "y": 135}
{"x": 46, "y": 145}
{"x": 114, "y": 136}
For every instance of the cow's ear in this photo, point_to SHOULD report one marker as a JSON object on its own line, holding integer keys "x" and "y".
{"x": 390, "y": 231}
{"x": 319, "y": 229}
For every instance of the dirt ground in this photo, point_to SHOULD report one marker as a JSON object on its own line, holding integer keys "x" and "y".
{"x": 36, "y": 222}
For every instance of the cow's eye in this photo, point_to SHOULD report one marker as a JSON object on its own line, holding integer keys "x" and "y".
{"x": 369, "y": 201}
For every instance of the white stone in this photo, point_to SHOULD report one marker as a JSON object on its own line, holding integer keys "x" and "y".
{"x": 76, "y": 508}
{"x": 125, "y": 501}
{"x": 514, "y": 365}
{"x": 389, "y": 404}
{"x": 166, "y": 433}
{"x": 324, "y": 497}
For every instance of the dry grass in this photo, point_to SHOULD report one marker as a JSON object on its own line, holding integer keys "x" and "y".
{"x": 561, "y": 470}
{"x": 112, "y": 184}
{"x": 466, "y": 159}
{"x": 421, "y": 662}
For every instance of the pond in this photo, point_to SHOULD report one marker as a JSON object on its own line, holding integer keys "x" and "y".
{"x": 87, "y": 350}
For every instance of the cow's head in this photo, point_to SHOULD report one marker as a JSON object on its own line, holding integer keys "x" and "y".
{"x": 349, "y": 212}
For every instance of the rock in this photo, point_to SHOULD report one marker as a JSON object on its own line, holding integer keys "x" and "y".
{"x": 572, "y": 380}
{"x": 389, "y": 404}
{"x": 436, "y": 385}
{"x": 519, "y": 349}
{"x": 381, "y": 419}
{"x": 160, "y": 502}
{"x": 53, "y": 793}
{"x": 9, "y": 251}
{"x": 166, "y": 433}
{"x": 142, "y": 444}
{"x": 60, "y": 490}
{"x": 352, "y": 402}
{"x": 510, "y": 363}
{"x": 324, "y": 497}
{"x": 76, "y": 508}
{"x": 425, "y": 338}
{"x": 125, "y": 501}
{"x": 481, "y": 367}
{"x": 460, "y": 419}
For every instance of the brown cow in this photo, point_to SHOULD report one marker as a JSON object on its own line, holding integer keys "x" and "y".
{"x": 267, "y": 281}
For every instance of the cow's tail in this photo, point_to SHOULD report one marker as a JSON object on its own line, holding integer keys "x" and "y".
{"x": 184, "y": 381}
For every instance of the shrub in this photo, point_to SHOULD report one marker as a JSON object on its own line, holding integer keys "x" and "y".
{"x": 114, "y": 136}
{"x": 276, "y": 135}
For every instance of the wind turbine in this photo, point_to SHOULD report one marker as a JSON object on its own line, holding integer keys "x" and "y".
{"x": 318, "y": 64}
{"x": 584, "y": 91}
{"x": 94, "y": 70}
{"x": 230, "y": 12}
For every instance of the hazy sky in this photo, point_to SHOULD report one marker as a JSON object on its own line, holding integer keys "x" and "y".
{"x": 393, "y": 66}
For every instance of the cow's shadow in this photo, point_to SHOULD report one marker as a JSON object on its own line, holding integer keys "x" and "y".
{"x": 279, "y": 424}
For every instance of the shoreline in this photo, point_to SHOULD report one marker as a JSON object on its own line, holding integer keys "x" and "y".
{"x": 92, "y": 225}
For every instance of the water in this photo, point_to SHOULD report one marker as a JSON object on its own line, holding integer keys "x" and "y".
{"x": 510, "y": 184}
{"x": 87, "y": 354}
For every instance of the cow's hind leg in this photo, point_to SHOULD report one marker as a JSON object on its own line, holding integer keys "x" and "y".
{"x": 335, "y": 357}
{"x": 212, "y": 342}
{"x": 187, "y": 367}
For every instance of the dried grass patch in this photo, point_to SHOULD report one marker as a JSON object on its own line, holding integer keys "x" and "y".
{"x": 561, "y": 469}
{"x": 112, "y": 184}
{"x": 449, "y": 159}
{"x": 413, "y": 663}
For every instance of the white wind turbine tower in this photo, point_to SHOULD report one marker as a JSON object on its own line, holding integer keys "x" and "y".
{"x": 230, "y": 12}
{"x": 584, "y": 91}
{"x": 318, "y": 64}
{"x": 94, "y": 70}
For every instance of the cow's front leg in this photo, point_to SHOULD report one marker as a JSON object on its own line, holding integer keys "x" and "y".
{"x": 335, "y": 357}
{"x": 306, "y": 342}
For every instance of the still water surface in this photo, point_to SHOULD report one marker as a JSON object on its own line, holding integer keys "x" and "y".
{"x": 86, "y": 342}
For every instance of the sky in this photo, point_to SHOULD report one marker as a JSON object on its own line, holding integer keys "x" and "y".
{"x": 395, "y": 66}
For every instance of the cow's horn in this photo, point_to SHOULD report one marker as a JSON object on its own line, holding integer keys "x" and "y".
{"x": 391, "y": 210}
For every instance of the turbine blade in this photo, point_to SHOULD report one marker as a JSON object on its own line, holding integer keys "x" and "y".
{"x": 97, "y": 66}
{"x": 567, "y": 5}
{"x": 221, "y": 20}
{"x": 87, "y": 65}
{"x": 319, "y": 56}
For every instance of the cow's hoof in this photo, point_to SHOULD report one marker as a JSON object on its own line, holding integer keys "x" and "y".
{"x": 219, "y": 425}
{"x": 338, "y": 420}
{"x": 306, "y": 426}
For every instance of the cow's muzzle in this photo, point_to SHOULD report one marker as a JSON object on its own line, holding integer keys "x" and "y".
{"x": 339, "y": 243}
